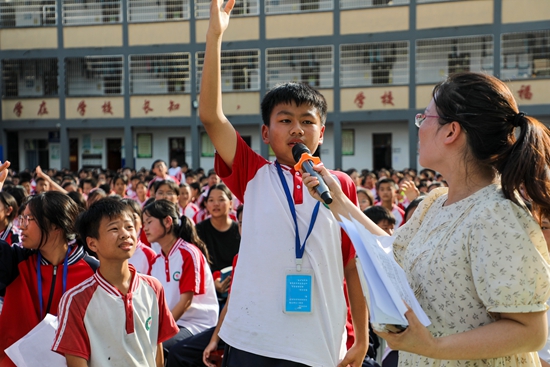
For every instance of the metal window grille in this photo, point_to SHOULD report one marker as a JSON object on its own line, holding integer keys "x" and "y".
{"x": 157, "y": 11}
{"x": 242, "y": 8}
{"x": 374, "y": 63}
{"x": 438, "y": 57}
{"x": 78, "y": 12}
{"x": 160, "y": 73}
{"x": 356, "y": 4}
{"x": 525, "y": 55}
{"x": 240, "y": 70}
{"x": 27, "y": 13}
{"x": 94, "y": 76}
{"x": 297, "y": 6}
{"x": 311, "y": 65}
{"x": 29, "y": 77}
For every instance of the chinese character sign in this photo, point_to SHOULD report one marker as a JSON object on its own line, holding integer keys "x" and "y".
{"x": 18, "y": 109}
{"x": 387, "y": 98}
{"x": 42, "y": 110}
{"x": 359, "y": 99}
{"x": 173, "y": 106}
{"x": 107, "y": 108}
{"x": 81, "y": 109}
{"x": 525, "y": 92}
{"x": 146, "y": 106}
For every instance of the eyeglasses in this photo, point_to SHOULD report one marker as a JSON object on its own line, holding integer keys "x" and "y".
{"x": 24, "y": 220}
{"x": 420, "y": 118}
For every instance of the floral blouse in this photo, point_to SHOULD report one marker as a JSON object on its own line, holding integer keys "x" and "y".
{"x": 471, "y": 260}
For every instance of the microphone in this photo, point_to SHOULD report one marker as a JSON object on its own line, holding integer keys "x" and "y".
{"x": 304, "y": 159}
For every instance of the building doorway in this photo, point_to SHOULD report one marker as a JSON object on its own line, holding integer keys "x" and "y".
{"x": 114, "y": 154}
{"x": 381, "y": 151}
{"x": 177, "y": 150}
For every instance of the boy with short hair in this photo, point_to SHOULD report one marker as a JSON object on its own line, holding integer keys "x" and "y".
{"x": 382, "y": 217}
{"x": 118, "y": 316}
{"x": 269, "y": 258}
{"x": 387, "y": 192}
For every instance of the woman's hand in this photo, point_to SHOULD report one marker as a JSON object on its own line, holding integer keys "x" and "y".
{"x": 415, "y": 339}
{"x": 311, "y": 182}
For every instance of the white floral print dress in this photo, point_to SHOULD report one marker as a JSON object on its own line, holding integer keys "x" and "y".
{"x": 468, "y": 262}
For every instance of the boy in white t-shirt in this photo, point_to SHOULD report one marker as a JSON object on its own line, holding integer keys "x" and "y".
{"x": 118, "y": 317}
{"x": 264, "y": 325}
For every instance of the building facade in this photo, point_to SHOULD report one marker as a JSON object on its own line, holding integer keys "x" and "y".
{"x": 111, "y": 83}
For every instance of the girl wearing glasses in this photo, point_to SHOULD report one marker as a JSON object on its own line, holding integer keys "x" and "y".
{"x": 473, "y": 254}
{"x": 8, "y": 212}
{"x": 37, "y": 275}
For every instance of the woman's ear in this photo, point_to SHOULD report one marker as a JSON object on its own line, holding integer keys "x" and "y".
{"x": 168, "y": 221}
{"x": 453, "y": 132}
{"x": 9, "y": 210}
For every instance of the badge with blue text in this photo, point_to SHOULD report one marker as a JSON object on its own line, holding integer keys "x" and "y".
{"x": 298, "y": 291}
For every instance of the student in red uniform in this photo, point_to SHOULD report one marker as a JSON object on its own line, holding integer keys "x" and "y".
{"x": 182, "y": 269}
{"x": 144, "y": 256}
{"x": 117, "y": 317}
{"x": 37, "y": 275}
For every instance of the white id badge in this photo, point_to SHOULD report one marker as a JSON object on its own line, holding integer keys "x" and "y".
{"x": 298, "y": 291}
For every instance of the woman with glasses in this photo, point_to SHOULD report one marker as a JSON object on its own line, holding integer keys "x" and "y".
{"x": 473, "y": 254}
{"x": 48, "y": 264}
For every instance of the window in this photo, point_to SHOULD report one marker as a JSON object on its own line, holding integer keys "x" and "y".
{"x": 94, "y": 75}
{"x": 374, "y": 63}
{"x": 355, "y": 4}
{"x": 29, "y": 13}
{"x": 348, "y": 142}
{"x": 29, "y": 78}
{"x": 525, "y": 55}
{"x": 312, "y": 65}
{"x": 240, "y": 70}
{"x": 297, "y": 6}
{"x": 157, "y": 11}
{"x": 207, "y": 148}
{"x": 242, "y": 8}
{"x": 159, "y": 73}
{"x": 78, "y": 12}
{"x": 438, "y": 57}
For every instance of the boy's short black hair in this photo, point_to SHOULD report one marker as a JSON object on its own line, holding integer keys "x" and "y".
{"x": 378, "y": 213}
{"x": 88, "y": 222}
{"x": 299, "y": 93}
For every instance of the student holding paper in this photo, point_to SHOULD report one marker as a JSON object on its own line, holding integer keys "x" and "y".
{"x": 473, "y": 254}
{"x": 39, "y": 273}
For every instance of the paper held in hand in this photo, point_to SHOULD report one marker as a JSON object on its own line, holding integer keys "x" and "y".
{"x": 384, "y": 282}
{"x": 34, "y": 349}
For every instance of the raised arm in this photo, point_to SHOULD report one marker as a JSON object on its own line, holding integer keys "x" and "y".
{"x": 4, "y": 173}
{"x": 219, "y": 129}
{"x": 341, "y": 206}
{"x": 53, "y": 185}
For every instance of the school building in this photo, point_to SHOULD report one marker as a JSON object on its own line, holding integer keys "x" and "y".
{"x": 111, "y": 83}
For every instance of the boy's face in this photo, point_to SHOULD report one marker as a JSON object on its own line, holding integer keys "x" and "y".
{"x": 290, "y": 124}
{"x": 42, "y": 186}
{"x": 386, "y": 192}
{"x": 160, "y": 169}
{"x": 117, "y": 238}
{"x": 386, "y": 226}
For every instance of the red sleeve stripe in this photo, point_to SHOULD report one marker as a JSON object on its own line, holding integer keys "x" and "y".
{"x": 196, "y": 257}
{"x": 65, "y": 305}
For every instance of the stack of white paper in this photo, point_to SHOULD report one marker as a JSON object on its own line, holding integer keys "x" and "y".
{"x": 387, "y": 287}
{"x": 34, "y": 349}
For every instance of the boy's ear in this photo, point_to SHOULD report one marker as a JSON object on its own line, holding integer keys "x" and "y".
{"x": 265, "y": 134}
{"x": 92, "y": 243}
{"x": 322, "y": 135}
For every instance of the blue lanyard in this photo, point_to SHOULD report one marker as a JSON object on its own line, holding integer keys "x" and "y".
{"x": 39, "y": 278}
{"x": 300, "y": 248}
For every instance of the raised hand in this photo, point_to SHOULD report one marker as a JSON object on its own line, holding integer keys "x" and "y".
{"x": 219, "y": 16}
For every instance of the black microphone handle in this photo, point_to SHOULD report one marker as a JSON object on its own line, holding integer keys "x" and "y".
{"x": 322, "y": 188}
